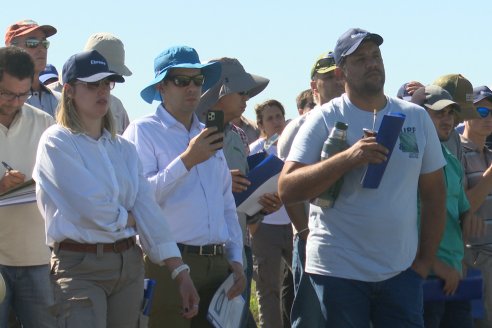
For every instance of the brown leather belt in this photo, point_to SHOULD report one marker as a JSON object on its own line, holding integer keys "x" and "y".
{"x": 116, "y": 247}
{"x": 206, "y": 250}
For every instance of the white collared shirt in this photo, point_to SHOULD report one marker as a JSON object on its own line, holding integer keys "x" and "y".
{"x": 85, "y": 188}
{"x": 198, "y": 203}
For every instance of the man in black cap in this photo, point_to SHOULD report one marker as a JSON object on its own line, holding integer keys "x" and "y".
{"x": 363, "y": 255}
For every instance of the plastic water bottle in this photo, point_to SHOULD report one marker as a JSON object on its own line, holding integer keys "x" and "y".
{"x": 336, "y": 142}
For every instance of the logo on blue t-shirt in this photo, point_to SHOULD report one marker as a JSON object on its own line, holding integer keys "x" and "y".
{"x": 408, "y": 142}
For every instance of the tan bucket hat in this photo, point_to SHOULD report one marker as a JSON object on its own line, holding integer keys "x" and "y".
{"x": 112, "y": 49}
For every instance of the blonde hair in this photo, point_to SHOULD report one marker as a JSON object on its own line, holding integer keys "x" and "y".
{"x": 68, "y": 117}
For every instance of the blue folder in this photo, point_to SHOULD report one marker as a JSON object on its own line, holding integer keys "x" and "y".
{"x": 149, "y": 285}
{"x": 469, "y": 288}
{"x": 387, "y": 136}
{"x": 259, "y": 173}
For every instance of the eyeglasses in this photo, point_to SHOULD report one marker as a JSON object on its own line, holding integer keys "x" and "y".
{"x": 244, "y": 93}
{"x": 184, "y": 80}
{"x": 34, "y": 43}
{"x": 483, "y": 111}
{"x": 10, "y": 96}
{"x": 103, "y": 84}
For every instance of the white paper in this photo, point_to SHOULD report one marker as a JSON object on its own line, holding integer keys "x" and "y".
{"x": 225, "y": 313}
{"x": 23, "y": 195}
{"x": 251, "y": 206}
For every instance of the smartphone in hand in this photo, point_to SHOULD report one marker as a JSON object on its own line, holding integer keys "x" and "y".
{"x": 215, "y": 118}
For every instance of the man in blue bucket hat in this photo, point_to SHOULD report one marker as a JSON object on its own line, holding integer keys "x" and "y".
{"x": 187, "y": 168}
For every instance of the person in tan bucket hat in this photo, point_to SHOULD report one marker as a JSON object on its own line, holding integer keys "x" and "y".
{"x": 113, "y": 50}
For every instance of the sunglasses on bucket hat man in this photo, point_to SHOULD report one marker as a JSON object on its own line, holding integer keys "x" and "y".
{"x": 182, "y": 81}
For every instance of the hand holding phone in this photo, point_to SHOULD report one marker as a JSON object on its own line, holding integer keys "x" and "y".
{"x": 215, "y": 118}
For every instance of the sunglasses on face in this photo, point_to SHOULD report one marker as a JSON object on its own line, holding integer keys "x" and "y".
{"x": 184, "y": 80}
{"x": 103, "y": 84}
{"x": 483, "y": 111}
{"x": 34, "y": 43}
{"x": 10, "y": 96}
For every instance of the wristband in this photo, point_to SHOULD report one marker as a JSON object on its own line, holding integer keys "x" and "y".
{"x": 303, "y": 230}
{"x": 178, "y": 270}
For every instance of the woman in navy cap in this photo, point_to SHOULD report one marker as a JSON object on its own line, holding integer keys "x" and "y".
{"x": 94, "y": 200}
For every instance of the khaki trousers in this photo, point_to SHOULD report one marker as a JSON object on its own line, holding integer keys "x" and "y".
{"x": 98, "y": 290}
{"x": 207, "y": 273}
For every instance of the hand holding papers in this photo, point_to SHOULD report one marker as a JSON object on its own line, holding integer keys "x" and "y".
{"x": 20, "y": 194}
{"x": 223, "y": 312}
{"x": 387, "y": 136}
{"x": 263, "y": 175}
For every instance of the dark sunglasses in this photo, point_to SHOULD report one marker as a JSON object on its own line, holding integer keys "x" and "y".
{"x": 483, "y": 111}
{"x": 98, "y": 85}
{"x": 184, "y": 80}
{"x": 34, "y": 43}
{"x": 244, "y": 93}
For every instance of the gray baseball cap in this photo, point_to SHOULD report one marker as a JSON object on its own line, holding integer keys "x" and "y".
{"x": 433, "y": 97}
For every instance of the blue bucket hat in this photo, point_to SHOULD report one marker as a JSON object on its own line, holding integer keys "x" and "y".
{"x": 179, "y": 57}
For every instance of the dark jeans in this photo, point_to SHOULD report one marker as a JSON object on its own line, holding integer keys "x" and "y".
{"x": 286, "y": 296}
{"x": 395, "y": 302}
{"x": 247, "y": 319}
{"x": 451, "y": 314}
{"x": 306, "y": 312}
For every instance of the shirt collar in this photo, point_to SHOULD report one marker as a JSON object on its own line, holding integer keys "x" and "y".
{"x": 168, "y": 120}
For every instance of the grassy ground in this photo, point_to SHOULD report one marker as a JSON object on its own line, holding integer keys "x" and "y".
{"x": 253, "y": 301}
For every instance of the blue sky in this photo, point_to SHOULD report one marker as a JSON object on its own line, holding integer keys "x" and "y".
{"x": 279, "y": 40}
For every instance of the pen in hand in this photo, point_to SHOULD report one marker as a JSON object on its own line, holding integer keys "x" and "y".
{"x": 7, "y": 167}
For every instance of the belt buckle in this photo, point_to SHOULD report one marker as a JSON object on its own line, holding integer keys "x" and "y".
{"x": 118, "y": 246}
{"x": 201, "y": 253}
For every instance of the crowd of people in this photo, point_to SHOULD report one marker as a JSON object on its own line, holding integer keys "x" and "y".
{"x": 120, "y": 201}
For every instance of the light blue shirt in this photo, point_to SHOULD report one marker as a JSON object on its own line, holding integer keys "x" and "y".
{"x": 86, "y": 187}
{"x": 369, "y": 234}
{"x": 198, "y": 204}
{"x": 45, "y": 99}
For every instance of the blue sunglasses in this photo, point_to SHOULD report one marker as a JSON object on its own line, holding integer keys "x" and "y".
{"x": 483, "y": 111}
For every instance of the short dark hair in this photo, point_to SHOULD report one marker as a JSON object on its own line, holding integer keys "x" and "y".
{"x": 16, "y": 62}
{"x": 305, "y": 98}
{"x": 264, "y": 105}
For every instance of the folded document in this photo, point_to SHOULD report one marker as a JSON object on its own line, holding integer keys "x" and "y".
{"x": 223, "y": 312}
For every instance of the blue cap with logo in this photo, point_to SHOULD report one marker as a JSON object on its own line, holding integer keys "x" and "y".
{"x": 88, "y": 66}
{"x": 349, "y": 41}
{"x": 481, "y": 93}
{"x": 49, "y": 72}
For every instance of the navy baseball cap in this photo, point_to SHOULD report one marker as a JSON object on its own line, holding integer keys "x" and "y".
{"x": 351, "y": 40}
{"x": 88, "y": 66}
{"x": 480, "y": 93}
{"x": 403, "y": 93}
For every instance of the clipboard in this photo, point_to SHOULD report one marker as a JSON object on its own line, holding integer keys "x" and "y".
{"x": 264, "y": 179}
